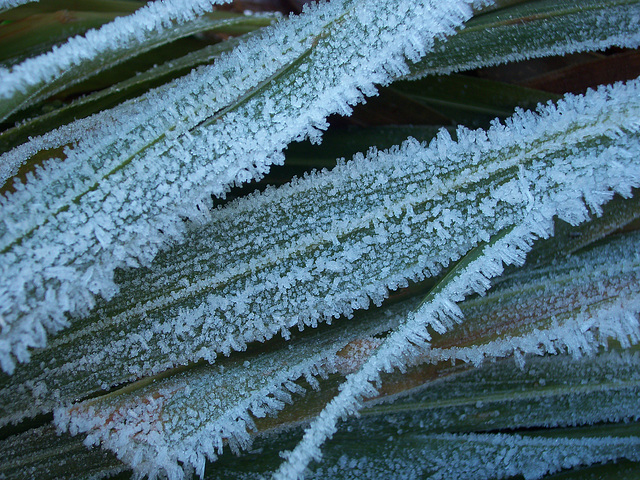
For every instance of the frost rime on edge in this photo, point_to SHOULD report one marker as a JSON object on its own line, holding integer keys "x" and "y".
{"x": 155, "y": 16}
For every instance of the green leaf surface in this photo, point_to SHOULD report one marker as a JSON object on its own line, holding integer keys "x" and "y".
{"x": 539, "y": 377}
{"x": 46, "y": 454}
{"x": 404, "y": 434}
{"x": 473, "y": 102}
{"x": 261, "y": 240}
{"x": 39, "y": 32}
{"x": 548, "y": 391}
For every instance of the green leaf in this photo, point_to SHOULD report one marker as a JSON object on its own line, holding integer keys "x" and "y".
{"x": 546, "y": 374}
{"x": 37, "y": 30}
{"x": 146, "y": 139}
{"x": 473, "y": 102}
{"x": 414, "y": 432}
{"x": 267, "y": 241}
{"x": 532, "y": 30}
{"x": 45, "y": 454}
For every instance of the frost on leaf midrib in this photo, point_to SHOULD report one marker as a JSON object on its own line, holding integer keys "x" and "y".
{"x": 229, "y": 271}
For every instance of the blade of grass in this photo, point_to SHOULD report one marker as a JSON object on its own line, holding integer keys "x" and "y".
{"x": 122, "y": 91}
{"x": 534, "y": 29}
{"x": 46, "y": 454}
{"x": 37, "y": 33}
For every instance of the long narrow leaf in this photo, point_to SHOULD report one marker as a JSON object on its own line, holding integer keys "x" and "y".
{"x": 44, "y": 454}
{"x": 49, "y": 72}
{"x": 250, "y": 275}
{"x": 533, "y": 30}
{"x": 110, "y": 96}
{"x": 481, "y": 456}
{"x": 552, "y": 391}
{"x": 122, "y": 193}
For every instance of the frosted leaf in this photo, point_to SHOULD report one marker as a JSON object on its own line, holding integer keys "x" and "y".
{"x": 189, "y": 416}
{"x": 395, "y": 438}
{"x": 262, "y": 265}
{"x": 36, "y": 453}
{"x": 544, "y": 29}
{"x": 136, "y": 174}
{"x": 547, "y": 392}
{"x": 121, "y": 33}
{"x": 496, "y": 395}
{"x": 12, "y": 160}
{"x": 476, "y": 456}
{"x": 577, "y": 305}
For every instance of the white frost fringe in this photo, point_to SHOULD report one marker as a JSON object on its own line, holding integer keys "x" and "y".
{"x": 120, "y": 33}
{"x": 408, "y": 341}
{"x": 135, "y": 434}
{"x": 580, "y": 336}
